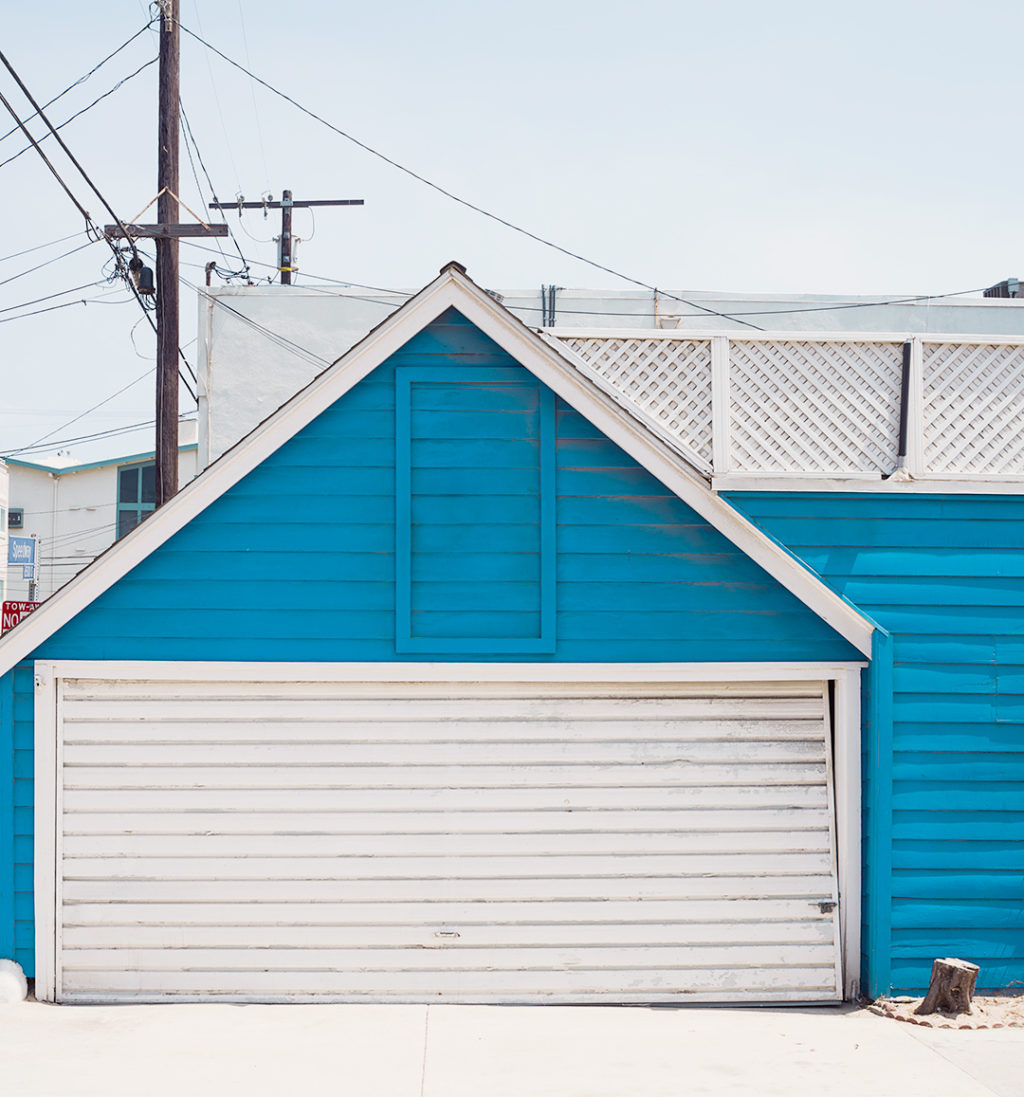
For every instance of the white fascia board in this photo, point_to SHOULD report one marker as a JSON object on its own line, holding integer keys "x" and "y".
{"x": 966, "y": 484}
{"x": 668, "y": 673}
{"x": 792, "y": 336}
{"x": 452, "y": 288}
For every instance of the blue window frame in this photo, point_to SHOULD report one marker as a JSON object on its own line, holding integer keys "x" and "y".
{"x": 136, "y": 495}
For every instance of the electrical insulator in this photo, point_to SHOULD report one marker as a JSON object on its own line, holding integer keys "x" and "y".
{"x": 146, "y": 283}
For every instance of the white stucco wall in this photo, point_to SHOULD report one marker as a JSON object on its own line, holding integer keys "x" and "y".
{"x": 72, "y": 512}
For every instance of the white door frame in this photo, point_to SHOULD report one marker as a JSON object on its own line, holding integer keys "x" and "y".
{"x": 846, "y": 748}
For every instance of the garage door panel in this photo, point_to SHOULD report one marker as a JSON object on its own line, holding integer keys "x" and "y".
{"x": 499, "y": 713}
{"x": 427, "y": 868}
{"x": 165, "y": 934}
{"x": 205, "y": 844}
{"x": 679, "y": 773}
{"x": 461, "y": 959}
{"x": 786, "y": 983}
{"x": 385, "y": 824}
{"x": 426, "y": 890}
{"x": 303, "y": 754}
{"x": 450, "y": 841}
{"x": 430, "y": 916}
{"x": 441, "y": 799}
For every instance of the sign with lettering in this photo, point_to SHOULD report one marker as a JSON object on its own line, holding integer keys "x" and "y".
{"x": 14, "y": 611}
{"x": 21, "y": 550}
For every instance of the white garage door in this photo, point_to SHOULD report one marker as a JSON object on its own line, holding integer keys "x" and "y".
{"x": 451, "y": 841}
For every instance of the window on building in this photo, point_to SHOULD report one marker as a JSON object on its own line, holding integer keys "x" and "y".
{"x": 136, "y": 495}
{"x": 16, "y": 518}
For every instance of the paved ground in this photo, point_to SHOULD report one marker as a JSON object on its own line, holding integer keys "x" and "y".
{"x": 491, "y": 1051}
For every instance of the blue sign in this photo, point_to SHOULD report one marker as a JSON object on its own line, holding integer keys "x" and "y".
{"x": 28, "y": 571}
{"x": 21, "y": 550}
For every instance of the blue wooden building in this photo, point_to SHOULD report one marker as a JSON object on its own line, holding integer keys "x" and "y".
{"x": 535, "y": 714}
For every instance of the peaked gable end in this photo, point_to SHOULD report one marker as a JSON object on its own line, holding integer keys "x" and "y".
{"x": 449, "y": 505}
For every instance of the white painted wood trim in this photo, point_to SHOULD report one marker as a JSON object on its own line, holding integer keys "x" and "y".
{"x": 738, "y": 336}
{"x": 45, "y": 868}
{"x": 721, "y": 435}
{"x": 845, "y": 754}
{"x": 172, "y": 671}
{"x": 545, "y": 357}
{"x": 829, "y": 721}
{"x": 915, "y": 409}
{"x": 968, "y": 484}
{"x": 847, "y": 758}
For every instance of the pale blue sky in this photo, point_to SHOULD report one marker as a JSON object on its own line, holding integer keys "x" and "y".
{"x": 792, "y": 146}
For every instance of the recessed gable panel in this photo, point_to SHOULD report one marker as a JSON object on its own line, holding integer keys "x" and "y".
{"x": 329, "y": 549}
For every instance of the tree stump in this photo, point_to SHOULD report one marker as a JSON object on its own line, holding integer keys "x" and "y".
{"x": 951, "y": 988}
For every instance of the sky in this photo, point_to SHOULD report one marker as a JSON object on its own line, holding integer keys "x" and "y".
{"x": 864, "y": 148}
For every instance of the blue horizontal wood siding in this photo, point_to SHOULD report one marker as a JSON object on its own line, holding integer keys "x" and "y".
{"x": 639, "y": 576}
{"x": 945, "y": 575}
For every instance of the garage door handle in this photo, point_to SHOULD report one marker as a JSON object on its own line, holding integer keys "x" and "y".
{"x": 446, "y": 933}
{"x": 827, "y": 906}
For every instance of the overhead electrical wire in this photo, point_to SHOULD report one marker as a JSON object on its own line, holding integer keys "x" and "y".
{"x": 82, "y": 79}
{"x": 40, "y": 247}
{"x": 82, "y": 415}
{"x": 56, "y": 258}
{"x": 92, "y": 186}
{"x": 449, "y": 194}
{"x": 52, "y": 296}
{"x": 79, "y": 113}
{"x": 611, "y": 312}
{"x": 94, "y": 437}
{"x": 190, "y": 137}
{"x": 65, "y": 305}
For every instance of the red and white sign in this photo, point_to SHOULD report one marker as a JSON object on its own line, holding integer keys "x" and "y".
{"x": 14, "y": 611}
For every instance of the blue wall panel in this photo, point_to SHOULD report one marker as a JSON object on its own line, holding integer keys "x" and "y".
{"x": 945, "y": 575}
{"x": 297, "y": 562}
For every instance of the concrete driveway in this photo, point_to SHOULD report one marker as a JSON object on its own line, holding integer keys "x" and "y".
{"x": 493, "y": 1051}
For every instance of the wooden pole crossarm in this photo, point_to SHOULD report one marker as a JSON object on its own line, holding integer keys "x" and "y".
{"x": 163, "y": 232}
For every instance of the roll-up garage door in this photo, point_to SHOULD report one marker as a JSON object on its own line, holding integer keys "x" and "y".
{"x": 450, "y": 841}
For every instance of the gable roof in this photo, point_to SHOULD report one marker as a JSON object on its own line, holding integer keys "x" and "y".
{"x": 451, "y": 289}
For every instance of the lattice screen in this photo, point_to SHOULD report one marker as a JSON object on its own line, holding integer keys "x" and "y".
{"x": 668, "y": 379}
{"x": 814, "y": 407}
{"x": 973, "y": 408}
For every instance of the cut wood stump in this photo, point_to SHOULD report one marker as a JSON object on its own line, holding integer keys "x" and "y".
{"x": 951, "y": 987}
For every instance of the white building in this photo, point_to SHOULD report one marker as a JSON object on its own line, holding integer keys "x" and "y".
{"x": 74, "y": 511}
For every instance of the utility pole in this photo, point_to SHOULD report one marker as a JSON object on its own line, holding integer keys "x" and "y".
{"x": 286, "y": 248}
{"x": 167, "y": 256}
{"x": 166, "y": 233}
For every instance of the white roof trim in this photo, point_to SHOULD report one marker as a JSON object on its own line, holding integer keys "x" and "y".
{"x": 451, "y": 289}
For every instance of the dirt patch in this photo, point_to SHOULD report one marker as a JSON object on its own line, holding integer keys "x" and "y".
{"x": 986, "y": 1012}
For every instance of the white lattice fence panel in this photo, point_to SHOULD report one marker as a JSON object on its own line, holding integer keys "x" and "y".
{"x": 814, "y": 407}
{"x": 667, "y": 379}
{"x": 973, "y": 408}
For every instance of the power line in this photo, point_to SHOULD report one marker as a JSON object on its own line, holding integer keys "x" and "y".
{"x": 50, "y": 297}
{"x": 611, "y": 312}
{"x": 60, "y": 141}
{"x": 56, "y": 174}
{"x": 94, "y": 437}
{"x": 55, "y": 259}
{"x": 79, "y": 113}
{"x": 454, "y": 197}
{"x": 82, "y": 79}
{"x": 67, "y": 304}
{"x": 89, "y": 223}
{"x": 39, "y": 247}
{"x": 81, "y": 415}
{"x": 190, "y": 137}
